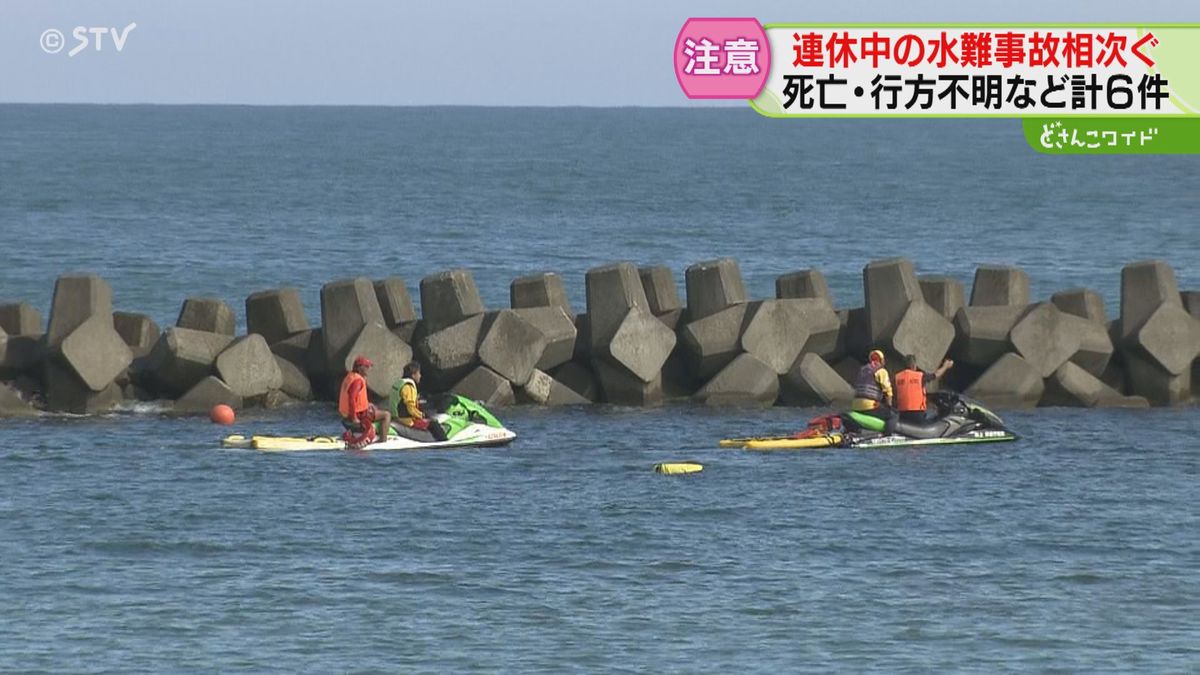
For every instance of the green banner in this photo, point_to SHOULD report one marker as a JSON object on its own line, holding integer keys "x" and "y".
{"x": 1113, "y": 135}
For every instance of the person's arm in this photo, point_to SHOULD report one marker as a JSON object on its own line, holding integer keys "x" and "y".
{"x": 947, "y": 364}
{"x": 409, "y": 395}
{"x": 885, "y": 384}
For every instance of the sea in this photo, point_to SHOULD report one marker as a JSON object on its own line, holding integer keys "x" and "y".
{"x": 132, "y": 542}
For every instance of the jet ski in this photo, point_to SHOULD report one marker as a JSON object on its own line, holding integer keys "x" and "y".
{"x": 956, "y": 419}
{"x": 468, "y": 424}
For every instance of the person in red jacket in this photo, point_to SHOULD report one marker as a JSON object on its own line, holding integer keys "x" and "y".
{"x": 358, "y": 413}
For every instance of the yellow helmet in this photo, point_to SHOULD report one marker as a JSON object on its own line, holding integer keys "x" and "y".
{"x": 876, "y": 355}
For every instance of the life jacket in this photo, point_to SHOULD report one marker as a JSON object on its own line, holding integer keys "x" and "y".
{"x": 396, "y": 404}
{"x": 910, "y": 391}
{"x": 349, "y": 409}
{"x": 865, "y": 386}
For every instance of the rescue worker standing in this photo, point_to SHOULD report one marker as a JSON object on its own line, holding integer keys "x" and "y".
{"x": 358, "y": 414}
{"x": 910, "y": 389}
{"x": 873, "y": 390}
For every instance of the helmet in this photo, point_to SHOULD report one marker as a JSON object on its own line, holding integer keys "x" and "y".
{"x": 362, "y": 362}
{"x": 875, "y": 355}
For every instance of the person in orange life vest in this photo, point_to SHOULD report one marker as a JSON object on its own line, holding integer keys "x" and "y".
{"x": 910, "y": 389}
{"x": 358, "y": 414}
{"x": 873, "y": 390}
{"x": 406, "y": 404}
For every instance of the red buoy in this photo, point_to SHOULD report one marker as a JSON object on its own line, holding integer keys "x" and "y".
{"x": 222, "y": 414}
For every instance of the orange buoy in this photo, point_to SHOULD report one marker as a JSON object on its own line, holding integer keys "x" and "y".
{"x": 222, "y": 414}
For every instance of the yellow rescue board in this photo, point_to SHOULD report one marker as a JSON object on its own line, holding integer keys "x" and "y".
{"x": 673, "y": 468}
{"x": 827, "y": 441}
{"x": 285, "y": 444}
{"x": 742, "y": 442}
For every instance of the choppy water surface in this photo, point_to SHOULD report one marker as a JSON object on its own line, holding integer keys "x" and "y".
{"x": 134, "y": 543}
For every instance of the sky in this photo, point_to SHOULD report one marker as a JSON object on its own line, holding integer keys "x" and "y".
{"x": 433, "y": 52}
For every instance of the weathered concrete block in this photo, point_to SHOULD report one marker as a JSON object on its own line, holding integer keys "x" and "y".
{"x": 545, "y": 390}
{"x": 924, "y": 333}
{"x": 182, "y": 357}
{"x": 1044, "y": 339}
{"x": 620, "y": 387}
{"x": 804, "y": 284}
{"x": 305, "y": 350}
{"x": 1010, "y": 382}
{"x": 1114, "y": 376}
{"x": 777, "y": 331}
{"x": 20, "y": 318}
{"x": 1072, "y": 386}
{"x": 579, "y": 378}
{"x": 511, "y": 346}
{"x": 661, "y": 292}
{"x": 890, "y": 286}
{"x": 856, "y": 331}
{"x": 138, "y": 331}
{"x": 943, "y": 294}
{"x": 983, "y": 333}
{"x": 408, "y": 332}
{"x": 847, "y": 368}
{"x": 1170, "y": 337}
{"x": 1095, "y": 345}
{"x": 275, "y": 314}
{"x": 210, "y": 315}
{"x": 712, "y": 286}
{"x": 1000, "y": 285}
{"x": 207, "y": 393}
{"x": 539, "y": 290}
{"x": 1145, "y": 286}
{"x": 486, "y": 385}
{"x": 20, "y": 354}
{"x": 813, "y": 382}
{"x": 395, "y": 302}
{"x": 557, "y": 327}
{"x": 448, "y": 298}
{"x": 76, "y": 299}
{"x": 640, "y": 345}
{"x": 678, "y": 379}
{"x": 745, "y": 380}
{"x": 347, "y": 306}
{"x": 712, "y": 342}
{"x": 1081, "y": 302}
{"x": 452, "y": 352}
{"x": 65, "y": 392}
{"x": 95, "y": 352}
{"x": 583, "y": 333}
{"x": 1191, "y": 302}
{"x": 612, "y": 290}
{"x": 389, "y": 354}
{"x": 248, "y": 367}
{"x": 671, "y": 319}
{"x": 1148, "y": 378}
{"x": 294, "y": 382}
{"x": 12, "y": 404}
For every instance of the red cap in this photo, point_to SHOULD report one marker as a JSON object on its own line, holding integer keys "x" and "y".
{"x": 362, "y": 362}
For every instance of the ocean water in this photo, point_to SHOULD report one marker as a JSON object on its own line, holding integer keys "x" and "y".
{"x": 133, "y": 543}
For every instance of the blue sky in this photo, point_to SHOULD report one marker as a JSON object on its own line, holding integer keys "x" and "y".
{"x": 374, "y": 52}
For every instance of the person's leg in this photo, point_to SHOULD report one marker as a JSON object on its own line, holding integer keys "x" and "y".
{"x": 385, "y": 427}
